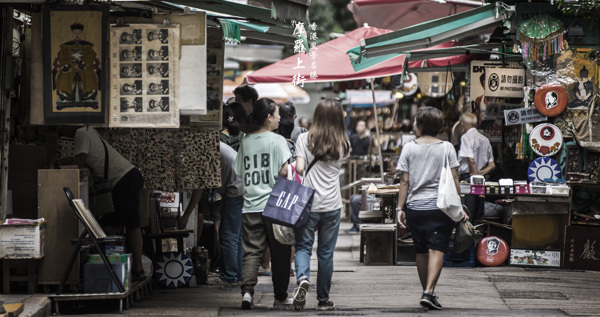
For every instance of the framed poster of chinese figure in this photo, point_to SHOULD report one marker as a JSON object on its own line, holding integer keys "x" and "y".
{"x": 74, "y": 54}
{"x": 144, "y": 76}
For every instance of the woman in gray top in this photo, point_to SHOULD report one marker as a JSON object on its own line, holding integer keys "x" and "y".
{"x": 421, "y": 163}
{"x": 320, "y": 154}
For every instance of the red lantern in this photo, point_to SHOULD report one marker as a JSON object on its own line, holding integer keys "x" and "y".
{"x": 492, "y": 251}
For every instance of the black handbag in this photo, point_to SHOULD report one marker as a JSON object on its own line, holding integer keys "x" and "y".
{"x": 101, "y": 202}
{"x": 465, "y": 234}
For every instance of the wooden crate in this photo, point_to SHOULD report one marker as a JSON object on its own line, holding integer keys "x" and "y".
{"x": 378, "y": 244}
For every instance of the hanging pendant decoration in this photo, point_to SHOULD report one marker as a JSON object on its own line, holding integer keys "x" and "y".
{"x": 541, "y": 37}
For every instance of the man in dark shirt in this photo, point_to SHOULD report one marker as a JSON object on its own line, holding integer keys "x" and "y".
{"x": 360, "y": 141}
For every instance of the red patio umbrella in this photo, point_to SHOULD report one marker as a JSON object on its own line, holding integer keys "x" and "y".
{"x": 332, "y": 63}
{"x": 399, "y": 14}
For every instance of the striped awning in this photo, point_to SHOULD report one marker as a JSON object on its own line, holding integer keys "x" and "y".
{"x": 377, "y": 49}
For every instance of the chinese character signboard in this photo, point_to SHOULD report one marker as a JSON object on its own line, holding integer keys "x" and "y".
{"x": 523, "y": 115}
{"x": 582, "y": 248}
{"x": 505, "y": 82}
{"x": 74, "y": 51}
{"x": 144, "y": 76}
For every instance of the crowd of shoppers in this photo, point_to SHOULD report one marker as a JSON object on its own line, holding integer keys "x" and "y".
{"x": 257, "y": 145}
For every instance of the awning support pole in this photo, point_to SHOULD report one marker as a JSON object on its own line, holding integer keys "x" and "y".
{"x": 377, "y": 129}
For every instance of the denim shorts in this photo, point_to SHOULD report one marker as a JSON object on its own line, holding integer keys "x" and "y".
{"x": 430, "y": 229}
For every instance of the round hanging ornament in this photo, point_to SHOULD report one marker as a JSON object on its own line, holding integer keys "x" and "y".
{"x": 541, "y": 36}
{"x": 550, "y": 100}
{"x": 492, "y": 251}
{"x": 410, "y": 85}
{"x": 173, "y": 269}
{"x": 545, "y": 139}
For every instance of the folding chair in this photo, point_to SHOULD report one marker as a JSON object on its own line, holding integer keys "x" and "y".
{"x": 91, "y": 235}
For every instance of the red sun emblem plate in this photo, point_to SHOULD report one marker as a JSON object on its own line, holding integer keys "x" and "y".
{"x": 546, "y": 139}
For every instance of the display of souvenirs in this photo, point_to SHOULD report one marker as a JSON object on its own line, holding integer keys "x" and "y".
{"x": 543, "y": 168}
{"x": 546, "y": 139}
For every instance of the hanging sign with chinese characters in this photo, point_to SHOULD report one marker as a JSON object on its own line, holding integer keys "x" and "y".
{"x": 301, "y": 46}
{"x": 505, "y": 82}
{"x": 523, "y": 115}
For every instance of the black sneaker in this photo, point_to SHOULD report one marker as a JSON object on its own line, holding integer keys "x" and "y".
{"x": 326, "y": 305}
{"x": 430, "y": 301}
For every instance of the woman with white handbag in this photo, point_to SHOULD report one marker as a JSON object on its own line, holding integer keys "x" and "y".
{"x": 428, "y": 200}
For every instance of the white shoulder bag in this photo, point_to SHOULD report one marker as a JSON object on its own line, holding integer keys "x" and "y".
{"x": 448, "y": 199}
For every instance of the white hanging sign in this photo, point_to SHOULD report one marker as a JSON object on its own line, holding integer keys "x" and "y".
{"x": 504, "y": 82}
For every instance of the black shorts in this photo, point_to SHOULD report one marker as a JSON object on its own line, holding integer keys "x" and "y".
{"x": 430, "y": 229}
{"x": 126, "y": 199}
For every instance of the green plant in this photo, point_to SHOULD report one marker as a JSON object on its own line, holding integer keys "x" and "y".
{"x": 585, "y": 9}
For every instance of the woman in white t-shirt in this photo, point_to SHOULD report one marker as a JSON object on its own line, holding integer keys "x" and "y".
{"x": 320, "y": 153}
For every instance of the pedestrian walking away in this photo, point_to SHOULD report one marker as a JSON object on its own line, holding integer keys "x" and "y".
{"x": 262, "y": 157}
{"x": 324, "y": 148}
{"x": 421, "y": 163}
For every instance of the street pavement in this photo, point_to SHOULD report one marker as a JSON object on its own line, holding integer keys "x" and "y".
{"x": 360, "y": 290}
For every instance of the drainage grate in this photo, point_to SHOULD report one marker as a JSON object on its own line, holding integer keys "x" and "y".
{"x": 524, "y": 279}
{"x": 532, "y": 295}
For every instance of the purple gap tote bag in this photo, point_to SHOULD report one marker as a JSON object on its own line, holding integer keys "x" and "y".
{"x": 290, "y": 202}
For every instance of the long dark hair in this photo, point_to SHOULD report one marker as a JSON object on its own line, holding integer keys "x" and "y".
{"x": 263, "y": 107}
{"x": 327, "y": 138}
{"x": 234, "y": 115}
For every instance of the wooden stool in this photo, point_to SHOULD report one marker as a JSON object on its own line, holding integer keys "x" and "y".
{"x": 378, "y": 244}
{"x": 30, "y": 277}
{"x": 179, "y": 235}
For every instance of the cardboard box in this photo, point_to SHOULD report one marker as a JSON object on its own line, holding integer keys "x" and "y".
{"x": 116, "y": 258}
{"x": 23, "y": 241}
{"x": 507, "y": 190}
{"x": 492, "y": 188}
{"x": 96, "y": 278}
{"x": 521, "y": 188}
{"x": 477, "y": 189}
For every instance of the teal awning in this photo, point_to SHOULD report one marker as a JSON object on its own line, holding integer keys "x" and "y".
{"x": 253, "y": 22}
{"x": 377, "y": 49}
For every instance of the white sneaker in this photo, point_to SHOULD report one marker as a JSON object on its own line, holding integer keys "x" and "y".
{"x": 300, "y": 294}
{"x": 247, "y": 302}
{"x": 283, "y": 304}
